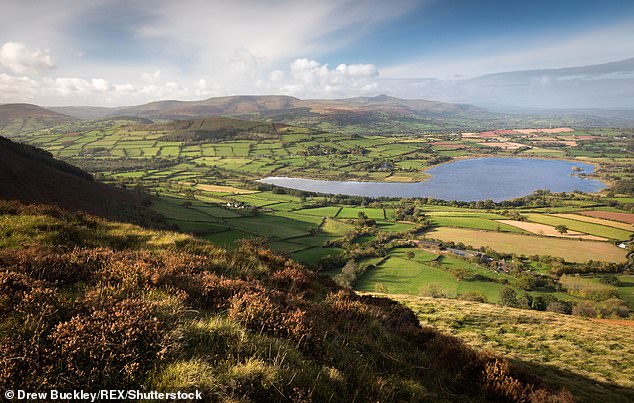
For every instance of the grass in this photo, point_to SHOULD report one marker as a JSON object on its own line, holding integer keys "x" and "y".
{"x": 415, "y": 276}
{"x": 175, "y": 210}
{"x": 601, "y": 355}
{"x": 227, "y": 239}
{"x": 549, "y": 230}
{"x": 335, "y": 227}
{"x": 273, "y": 227}
{"x": 586, "y": 227}
{"x": 223, "y": 189}
{"x": 330, "y": 211}
{"x": 599, "y": 221}
{"x": 353, "y": 212}
{"x": 528, "y": 245}
{"x": 394, "y": 226}
{"x": 626, "y": 288}
{"x": 312, "y": 255}
{"x": 473, "y": 222}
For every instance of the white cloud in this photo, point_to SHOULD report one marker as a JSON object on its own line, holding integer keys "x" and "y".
{"x": 14, "y": 89}
{"x": 277, "y": 76}
{"x": 265, "y": 33}
{"x": 21, "y": 59}
{"x": 233, "y": 46}
{"x": 311, "y": 79}
{"x": 358, "y": 70}
{"x": 151, "y": 78}
{"x": 200, "y": 48}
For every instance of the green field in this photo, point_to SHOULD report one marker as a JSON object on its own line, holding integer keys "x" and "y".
{"x": 206, "y": 186}
{"x": 586, "y": 227}
{"x": 473, "y": 222}
{"x": 571, "y": 250}
{"x": 401, "y": 275}
{"x": 353, "y": 212}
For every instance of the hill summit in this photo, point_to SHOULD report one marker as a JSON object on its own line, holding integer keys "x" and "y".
{"x": 18, "y": 118}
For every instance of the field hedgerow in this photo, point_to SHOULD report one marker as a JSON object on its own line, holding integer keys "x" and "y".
{"x": 251, "y": 324}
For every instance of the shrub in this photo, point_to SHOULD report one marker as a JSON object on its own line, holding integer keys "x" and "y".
{"x": 585, "y": 309}
{"x": 271, "y": 314}
{"x": 432, "y": 290}
{"x": 508, "y": 297}
{"x": 476, "y": 296}
{"x": 613, "y": 308}
{"x": 170, "y": 311}
{"x": 559, "y": 307}
{"x": 112, "y": 345}
{"x": 588, "y": 288}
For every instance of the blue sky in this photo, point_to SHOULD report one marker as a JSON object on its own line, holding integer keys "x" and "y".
{"x": 107, "y": 52}
{"x": 476, "y": 26}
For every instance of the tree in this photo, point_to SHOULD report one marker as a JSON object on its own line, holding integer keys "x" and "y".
{"x": 584, "y": 308}
{"x": 539, "y": 304}
{"x": 559, "y": 307}
{"x": 508, "y": 297}
{"x": 459, "y": 273}
{"x": 562, "y": 229}
{"x": 612, "y": 308}
{"x": 410, "y": 254}
{"x": 526, "y": 281}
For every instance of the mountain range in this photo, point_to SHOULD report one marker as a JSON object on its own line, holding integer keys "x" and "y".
{"x": 250, "y": 104}
{"x": 361, "y": 111}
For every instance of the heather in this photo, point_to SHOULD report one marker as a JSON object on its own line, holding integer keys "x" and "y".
{"x": 95, "y": 304}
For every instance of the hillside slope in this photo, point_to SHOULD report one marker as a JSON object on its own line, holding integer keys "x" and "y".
{"x": 32, "y": 175}
{"x": 266, "y": 104}
{"x": 19, "y": 118}
{"x": 593, "y": 359}
{"x": 94, "y": 304}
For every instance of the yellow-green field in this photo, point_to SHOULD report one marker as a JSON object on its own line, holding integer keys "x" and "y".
{"x": 600, "y": 221}
{"x": 570, "y": 250}
{"x": 595, "y": 360}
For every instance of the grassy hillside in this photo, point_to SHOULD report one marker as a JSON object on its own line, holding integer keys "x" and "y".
{"x": 20, "y": 118}
{"x": 107, "y": 305}
{"x": 30, "y": 174}
{"x": 594, "y": 359}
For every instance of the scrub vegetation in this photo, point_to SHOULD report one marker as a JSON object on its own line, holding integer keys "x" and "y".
{"x": 250, "y": 288}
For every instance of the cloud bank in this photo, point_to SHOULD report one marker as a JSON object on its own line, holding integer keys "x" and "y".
{"x": 113, "y": 52}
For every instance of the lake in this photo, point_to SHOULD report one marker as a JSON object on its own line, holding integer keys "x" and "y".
{"x": 466, "y": 180}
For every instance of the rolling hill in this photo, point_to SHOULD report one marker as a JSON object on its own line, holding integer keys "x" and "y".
{"x": 108, "y": 305}
{"x": 19, "y": 118}
{"x": 85, "y": 112}
{"x": 32, "y": 175}
{"x": 268, "y": 104}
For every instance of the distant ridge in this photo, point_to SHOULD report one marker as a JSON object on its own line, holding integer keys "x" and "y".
{"x": 18, "y": 118}
{"x": 250, "y": 104}
{"x": 85, "y": 112}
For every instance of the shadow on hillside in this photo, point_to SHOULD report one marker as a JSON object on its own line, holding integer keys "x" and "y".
{"x": 92, "y": 236}
{"x": 584, "y": 389}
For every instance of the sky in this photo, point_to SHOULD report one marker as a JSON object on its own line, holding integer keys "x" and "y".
{"x": 109, "y": 52}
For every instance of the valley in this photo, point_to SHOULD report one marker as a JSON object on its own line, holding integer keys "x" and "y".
{"x": 317, "y": 201}
{"x": 546, "y": 253}
{"x": 203, "y": 175}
